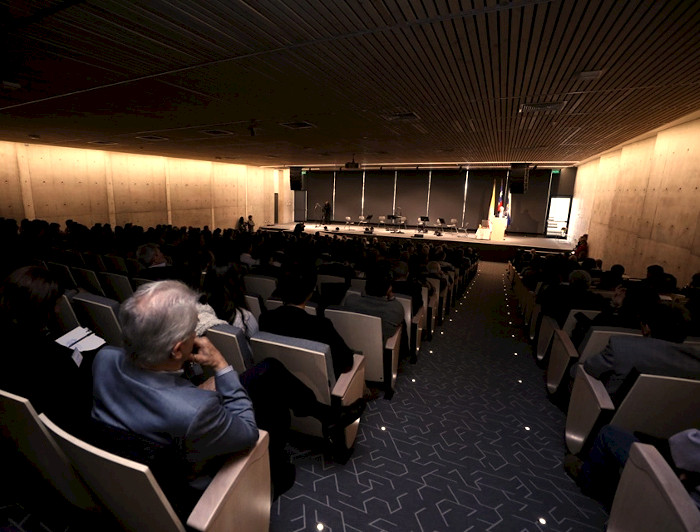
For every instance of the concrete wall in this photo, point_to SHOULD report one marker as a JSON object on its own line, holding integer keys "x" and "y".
{"x": 640, "y": 205}
{"x": 90, "y": 186}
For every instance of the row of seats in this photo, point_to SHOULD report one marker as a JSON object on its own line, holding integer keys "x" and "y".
{"x": 655, "y": 405}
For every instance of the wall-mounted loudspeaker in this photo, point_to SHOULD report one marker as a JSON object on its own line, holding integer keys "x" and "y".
{"x": 297, "y": 178}
{"x": 518, "y": 177}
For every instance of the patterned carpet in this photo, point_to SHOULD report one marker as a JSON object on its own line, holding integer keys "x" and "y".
{"x": 468, "y": 442}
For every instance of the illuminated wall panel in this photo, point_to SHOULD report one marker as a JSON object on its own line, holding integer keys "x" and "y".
{"x": 139, "y": 185}
{"x": 189, "y": 183}
{"x": 11, "y": 203}
{"x": 639, "y": 204}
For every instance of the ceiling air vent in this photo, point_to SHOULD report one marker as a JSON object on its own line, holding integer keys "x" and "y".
{"x": 541, "y": 107}
{"x": 217, "y": 132}
{"x": 152, "y": 138}
{"x": 589, "y": 74}
{"x": 297, "y": 125}
{"x": 401, "y": 117}
{"x": 103, "y": 142}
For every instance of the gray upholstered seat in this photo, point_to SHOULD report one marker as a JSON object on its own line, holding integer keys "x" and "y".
{"x": 239, "y": 493}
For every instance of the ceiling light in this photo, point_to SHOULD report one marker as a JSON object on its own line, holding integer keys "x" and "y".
{"x": 216, "y": 132}
{"x": 407, "y": 116}
{"x": 297, "y": 125}
{"x": 541, "y": 107}
{"x": 152, "y": 138}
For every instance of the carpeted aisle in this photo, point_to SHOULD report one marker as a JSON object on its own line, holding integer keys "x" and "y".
{"x": 469, "y": 441}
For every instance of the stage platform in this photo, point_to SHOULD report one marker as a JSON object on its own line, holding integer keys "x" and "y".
{"x": 499, "y": 251}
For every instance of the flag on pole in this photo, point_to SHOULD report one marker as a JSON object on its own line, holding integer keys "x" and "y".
{"x": 500, "y": 208}
{"x": 508, "y": 213}
{"x": 492, "y": 205}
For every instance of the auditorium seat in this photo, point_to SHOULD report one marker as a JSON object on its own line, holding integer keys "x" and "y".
{"x": 239, "y": 493}
{"x": 232, "y": 344}
{"x": 363, "y": 334}
{"x": 655, "y": 405}
{"x": 20, "y": 423}
{"x": 650, "y": 496}
{"x": 116, "y": 286}
{"x": 311, "y": 363}
{"x": 100, "y": 315}
{"x": 413, "y": 324}
{"x": 261, "y": 285}
{"x": 87, "y": 280}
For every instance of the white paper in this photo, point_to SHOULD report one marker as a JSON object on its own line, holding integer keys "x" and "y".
{"x": 81, "y": 338}
{"x": 77, "y": 357}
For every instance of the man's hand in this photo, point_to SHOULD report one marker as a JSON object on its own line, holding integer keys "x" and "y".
{"x": 208, "y": 355}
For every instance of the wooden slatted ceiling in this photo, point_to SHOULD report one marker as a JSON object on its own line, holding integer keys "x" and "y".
{"x": 463, "y": 68}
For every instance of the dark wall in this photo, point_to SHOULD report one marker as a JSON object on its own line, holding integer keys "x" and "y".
{"x": 412, "y": 194}
{"x": 446, "y": 188}
{"x": 379, "y": 193}
{"x": 319, "y": 190}
{"x": 348, "y": 195}
{"x": 447, "y": 195}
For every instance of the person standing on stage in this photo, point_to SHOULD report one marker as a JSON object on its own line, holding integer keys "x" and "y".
{"x": 327, "y": 213}
{"x": 251, "y": 224}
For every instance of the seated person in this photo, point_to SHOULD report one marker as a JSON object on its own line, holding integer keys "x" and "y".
{"x": 658, "y": 352}
{"x": 296, "y": 288}
{"x": 558, "y": 300}
{"x": 141, "y": 390}
{"x": 599, "y": 474}
{"x": 379, "y": 301}
{"x": 56, "y": 381}
{"x": 612, "y": 278}
{"x": 154, "y": 264}
{"x": 402, "y": 285}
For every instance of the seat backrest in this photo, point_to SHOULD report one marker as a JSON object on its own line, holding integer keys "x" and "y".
{"x": 116, "y": 264}
{"x": 660, "y": 406}
{"x": 99, "y": 314}
{"x": 117, "y": 286}
{"x": 358, "y": 285}
{"x": 407, "y": 304}
{"x": 233, "y": 345}
{"x": 363, "y": 334}
{"x": 598, "y": 337}
{"x": 570, "y": 322}
{"x": 136, "y": 282}
{"x": 254, "y": 305}
{"x": 261, "y": 285}
{"x": 87, "y": 280}
{"x": 127, "y": 488}
{"x": 453, "y": 221}
{"x": 309, "y": 361}
{"x": 272, "y": 304}
{"x": 650, "y": 497}
{"x": 63, "y": 273}
{"x": 20, "y": 423}
{"x": 67, "y": 320}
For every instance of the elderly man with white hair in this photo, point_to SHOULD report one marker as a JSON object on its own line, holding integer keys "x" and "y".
{"x": 141, "y": 391}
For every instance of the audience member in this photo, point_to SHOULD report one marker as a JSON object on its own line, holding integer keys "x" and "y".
{"x": 379, "y": 300}
{"x": 296, "y": 288}
{"x": 140, "y": 390}
{"x": 154, "y": 264}
{"x": 56, "y": 380}
{"x": 599, "y": 474}
{"x": 659, "y": 352}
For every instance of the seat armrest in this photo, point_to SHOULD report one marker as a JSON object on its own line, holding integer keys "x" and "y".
{"x": 393, "y": 341}
{"x": 589, "y": 400}
{"x": 240, "y": 492}
{"x": 351, "y": 382}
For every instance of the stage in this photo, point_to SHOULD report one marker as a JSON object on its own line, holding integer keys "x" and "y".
{"x": 499, "y": 251}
